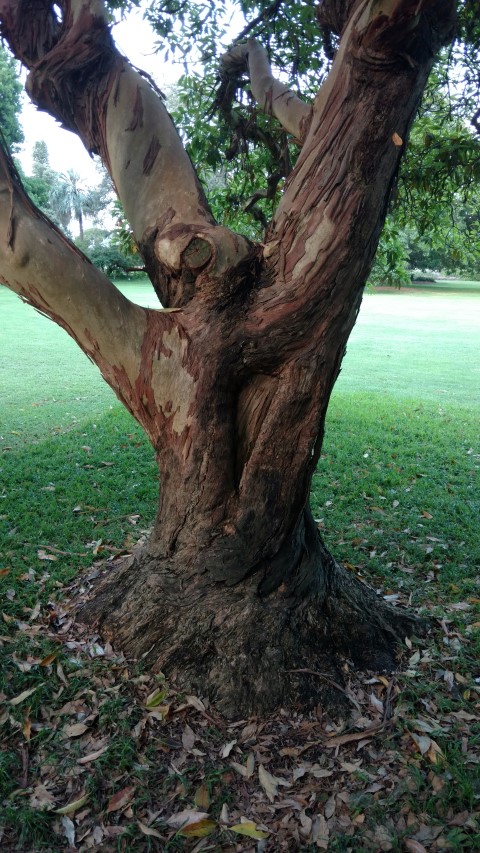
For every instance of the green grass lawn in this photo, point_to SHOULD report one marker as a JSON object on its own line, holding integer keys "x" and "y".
{"x": 421, "y": 345}
{"x": 402, "y": 434}
{"x": 395, "y": 496}
{"x": 47, "y": 385}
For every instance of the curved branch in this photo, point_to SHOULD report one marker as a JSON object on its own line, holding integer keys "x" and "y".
{"x": 79, "y": 77}
{"x": 48, "y": 271}
{"x": 272, "y": 96}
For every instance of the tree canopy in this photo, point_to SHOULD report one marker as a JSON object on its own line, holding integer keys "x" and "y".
{"x": 244, "y": 156}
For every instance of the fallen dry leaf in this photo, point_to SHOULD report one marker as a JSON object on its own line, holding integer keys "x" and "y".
{"x": 74, "y": 806}
{"x": 147, "y": 830}
{"x": 202, "y": 797}
{"x": 121, "y": 799}
{"x": 414, "y": 846}
{"x": 200, "y": 829}
{"x": 92, "y": 756}
{"x": 69, "y": 830}
{"x": 26, "y": 693}
{"x": 46, "y": 661}
{"x": 182, "y": 819}
{"x": 41, "y": 798}
{"x": 339, "y": 740}
{"x": 74, "y": 730}
{"x": 249, "y": 829}
{"x": 247, "y": 769}
{"x": 42, "y": 555}
{"x": 270, "y": 783}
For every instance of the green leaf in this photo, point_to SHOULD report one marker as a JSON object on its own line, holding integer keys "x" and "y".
{"x": 156, "y": 697}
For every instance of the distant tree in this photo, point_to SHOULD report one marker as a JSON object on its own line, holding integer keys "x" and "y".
{"x": 69, "y": 199}
{"x": 10, "y": 100}
{"x": 103, "y": 249}
{"x": 40, "y": 183}
{"x": 41, "y": 160}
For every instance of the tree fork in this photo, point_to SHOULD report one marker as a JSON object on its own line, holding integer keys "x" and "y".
{"x": 234, "y": 590}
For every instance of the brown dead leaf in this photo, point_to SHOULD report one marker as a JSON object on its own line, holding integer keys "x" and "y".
{"x": 27, "y": 728}
{"x": 41, "y": 799}
{"x": 26, "y": 693}
{"x": 74, "y": 730}
{"x": 414, "y": 846}
{"x": 121, "y": 799}
{"x": 195, "y": 702}
{"x": 320, "y": 832}
{"x": 270, "y": 783}
{"x": 339, "y": 740}
{"x": 42, "y": 555}
{"x": 147, "y": 830}
{"x": 435, "y": 754}
{"x": 202, "y": 797}
{"x": 227, "y": 748}
{"x": 92, "y": 756}
{"x": 46, "y": 661}
{"x": 188, "y": 738}
{"x": 185, "y": 818}
{"x": 245, "y": 770}
{"x": 423, "y": 742}
{"x": 200, "y": 829}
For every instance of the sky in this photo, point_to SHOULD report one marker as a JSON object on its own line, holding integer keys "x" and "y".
{"x": 136, "y": 40}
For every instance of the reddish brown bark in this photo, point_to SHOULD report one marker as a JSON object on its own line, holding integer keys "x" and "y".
{"x": 234, "y": 588}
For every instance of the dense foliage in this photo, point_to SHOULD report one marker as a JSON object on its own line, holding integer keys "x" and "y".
{"x": 242, "y": 156}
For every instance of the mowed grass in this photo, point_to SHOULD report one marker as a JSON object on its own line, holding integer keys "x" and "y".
{"x": 47, "y": 385}
{"x": 395, "y": 495}
{"x": 401, "y": 439}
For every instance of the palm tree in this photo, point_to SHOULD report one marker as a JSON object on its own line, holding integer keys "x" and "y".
{"x": 69, "y": 199}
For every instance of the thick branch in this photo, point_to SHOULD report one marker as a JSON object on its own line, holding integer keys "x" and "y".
{"x": 272, "y": 96}
{"x": 79, "y": 77}
{"x": 39, "y": 264}
{"x": 326, "y": 228}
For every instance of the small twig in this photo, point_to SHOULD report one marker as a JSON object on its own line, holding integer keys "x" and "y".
{"x": 388, "y": 703}
{"x": 330, "y": 681}
{"x": 25, "y": 763}
{"x": 264, "y": 15}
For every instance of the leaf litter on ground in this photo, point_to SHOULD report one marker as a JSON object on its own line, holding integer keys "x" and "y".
{"x": 112, "y": 755}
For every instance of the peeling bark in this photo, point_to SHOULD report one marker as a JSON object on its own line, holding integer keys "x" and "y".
{"x": 232, "y": 386}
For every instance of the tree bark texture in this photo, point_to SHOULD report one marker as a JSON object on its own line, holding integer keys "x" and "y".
{"x": 231, "y": 380}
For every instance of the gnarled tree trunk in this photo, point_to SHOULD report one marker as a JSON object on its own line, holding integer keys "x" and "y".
{"x": 235, "y": 588}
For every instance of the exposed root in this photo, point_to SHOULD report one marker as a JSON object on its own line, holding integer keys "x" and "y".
{"x": 248, "y": 654}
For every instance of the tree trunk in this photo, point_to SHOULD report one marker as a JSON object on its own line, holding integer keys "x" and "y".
{"x": 80, "y": 223}
{"x": 235, "y": 589}
{"x": 248, "y": 648}
{"x": 235, "y": 593}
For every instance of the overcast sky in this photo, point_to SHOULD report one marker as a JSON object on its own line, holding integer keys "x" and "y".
{"x": 136, "y": 39}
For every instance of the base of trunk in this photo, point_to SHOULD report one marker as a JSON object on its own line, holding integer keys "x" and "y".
{"x": 241, "y": 649}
